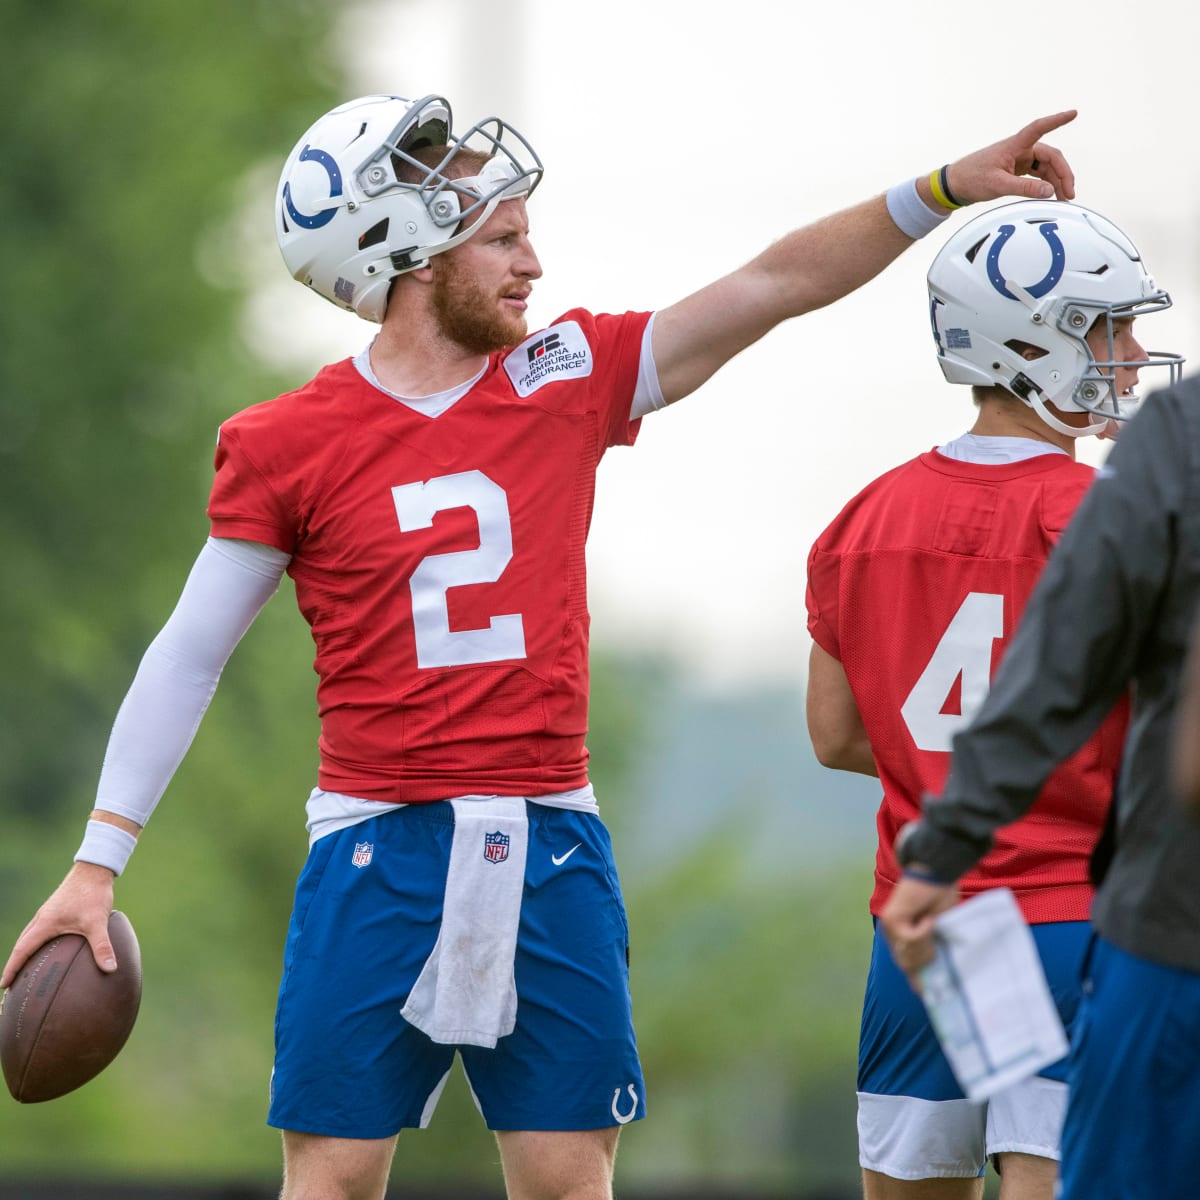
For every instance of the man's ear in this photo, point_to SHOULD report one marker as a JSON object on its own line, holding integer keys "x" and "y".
{"x": 422, "y": 275}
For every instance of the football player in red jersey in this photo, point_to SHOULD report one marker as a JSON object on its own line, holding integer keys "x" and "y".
{"x": 430, "y": 499}
{"x": 914, "y": 590}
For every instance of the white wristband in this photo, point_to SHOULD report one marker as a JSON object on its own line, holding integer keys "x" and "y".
{"x": 910, "y": 212}
{"x": 106, "y": 846}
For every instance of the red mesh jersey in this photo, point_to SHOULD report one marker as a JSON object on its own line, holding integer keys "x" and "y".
{"x": 440, "y": 560}
{"x": 916, "y": 588}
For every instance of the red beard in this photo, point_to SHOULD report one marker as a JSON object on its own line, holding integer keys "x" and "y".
{"x": 468, "y": 315}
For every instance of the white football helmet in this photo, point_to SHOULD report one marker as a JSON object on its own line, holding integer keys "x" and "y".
{"x": 1042, "y": 272}
{"x": 347, "y": 225}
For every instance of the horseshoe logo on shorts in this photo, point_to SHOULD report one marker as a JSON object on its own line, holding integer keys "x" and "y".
{"x": 618, "y": 1116}
{"x": 1058, "y": 261}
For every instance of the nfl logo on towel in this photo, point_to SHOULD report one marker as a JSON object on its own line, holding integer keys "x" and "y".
{"x": 495, "y": 846}
{"x": 362, "y": 853}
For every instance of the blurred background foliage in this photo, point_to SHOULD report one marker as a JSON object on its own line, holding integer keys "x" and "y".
{"x": 131, "y": 127}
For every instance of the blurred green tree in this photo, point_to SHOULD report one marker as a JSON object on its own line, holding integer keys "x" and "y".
{"x": 130, "y": 130}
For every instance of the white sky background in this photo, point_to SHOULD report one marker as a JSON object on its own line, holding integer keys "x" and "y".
{"x": 680, "y": 137}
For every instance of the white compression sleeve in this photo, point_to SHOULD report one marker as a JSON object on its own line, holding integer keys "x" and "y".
{"x": 227, "y": 588}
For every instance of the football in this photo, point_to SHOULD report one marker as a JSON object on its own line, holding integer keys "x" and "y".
{"x": 64, "y": 1020}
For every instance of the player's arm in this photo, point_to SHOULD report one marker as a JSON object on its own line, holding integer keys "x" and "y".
{"x": 227, "y": 588}
{"x": 835, "y": 725}
{"x": 820, "y": 263}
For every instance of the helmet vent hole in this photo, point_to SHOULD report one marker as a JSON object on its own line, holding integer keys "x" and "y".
{"x": 974, "y": 250}
{"x": 373, "y": 236}
{"x": 1027, "y": 350}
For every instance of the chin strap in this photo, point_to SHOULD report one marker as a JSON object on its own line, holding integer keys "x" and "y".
{"x": 1038, "y": 403}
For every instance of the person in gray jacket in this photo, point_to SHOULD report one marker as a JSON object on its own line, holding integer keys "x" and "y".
{"x": 1186, "y": 759}
{"x": 1114, "y": 608}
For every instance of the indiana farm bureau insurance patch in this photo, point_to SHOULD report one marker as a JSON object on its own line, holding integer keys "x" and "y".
{"x": 560, "y": 352}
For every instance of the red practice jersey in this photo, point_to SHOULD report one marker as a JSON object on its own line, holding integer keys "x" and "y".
{"x": 916, "y": 588}
{"x": 440, "y": 560}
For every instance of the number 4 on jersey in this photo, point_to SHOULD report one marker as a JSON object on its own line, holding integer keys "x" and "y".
{"x": 964, "y": 653}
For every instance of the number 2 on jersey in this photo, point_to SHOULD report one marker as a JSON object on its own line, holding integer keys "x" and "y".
{"x": 437, "y": 644}
{"x": 964, "y": 651}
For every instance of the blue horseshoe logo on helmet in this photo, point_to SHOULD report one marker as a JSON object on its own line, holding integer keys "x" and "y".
{"x": 1058, "y": 261}
{"x": 308, "y": 154}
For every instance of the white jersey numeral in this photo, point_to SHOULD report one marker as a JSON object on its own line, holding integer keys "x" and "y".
{"x": 416, "y": 506}
{"x": 965, "y": 650}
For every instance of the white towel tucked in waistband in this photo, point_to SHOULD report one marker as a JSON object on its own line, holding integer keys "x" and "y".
{"x": 466, "y": 992}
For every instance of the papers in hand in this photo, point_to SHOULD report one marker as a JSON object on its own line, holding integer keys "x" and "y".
{"x": 987, "y": 996}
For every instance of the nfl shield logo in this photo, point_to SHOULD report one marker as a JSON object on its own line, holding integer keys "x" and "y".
{"x": 362, "y": 853}
{"x": 495, "y": 846}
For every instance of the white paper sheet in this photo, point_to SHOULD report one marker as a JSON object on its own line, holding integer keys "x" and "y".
{"x": 987, "y": 996}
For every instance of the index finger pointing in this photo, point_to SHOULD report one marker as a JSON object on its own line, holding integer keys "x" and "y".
{"x": 1043, "y": 125}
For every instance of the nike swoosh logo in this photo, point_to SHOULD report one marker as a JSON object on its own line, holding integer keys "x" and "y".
{"x": 558, "y": 861}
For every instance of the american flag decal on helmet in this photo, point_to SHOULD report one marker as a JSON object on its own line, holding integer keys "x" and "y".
{"x": 495, "y": 846}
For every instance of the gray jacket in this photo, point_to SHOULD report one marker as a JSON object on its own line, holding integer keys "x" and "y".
{"x": 1114, "y": 607}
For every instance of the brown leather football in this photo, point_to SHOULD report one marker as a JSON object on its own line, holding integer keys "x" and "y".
{"x": 64, "y": 1020}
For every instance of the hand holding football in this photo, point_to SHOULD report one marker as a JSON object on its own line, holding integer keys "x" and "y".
{"x": 64, "y": 1020}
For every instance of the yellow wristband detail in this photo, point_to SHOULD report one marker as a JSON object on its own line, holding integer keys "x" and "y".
{"x": 939, "y": 186}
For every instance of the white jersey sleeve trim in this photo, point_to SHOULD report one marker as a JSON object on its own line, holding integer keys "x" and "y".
{"x": 647, "y": 396}
{"x": 228, "y": 586}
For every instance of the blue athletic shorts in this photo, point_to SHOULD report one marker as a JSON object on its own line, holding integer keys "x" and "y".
{"x": 898, "y": 1052}
{"x": 913, "y": 1120}
{"x": 1133, "y": 1122}
{"x": 348, "y": 1065}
